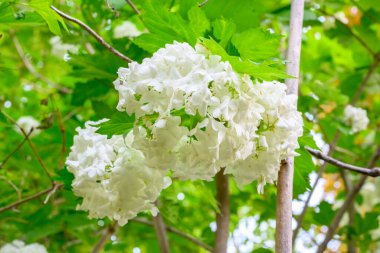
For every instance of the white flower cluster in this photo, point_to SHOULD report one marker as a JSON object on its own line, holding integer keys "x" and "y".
{"x": 19, "y": 247}
{"x": 356, "y": 118}
{"x": 112, "y": 177}
{"x": 193, "y": 116}
{"x": 28, "y": 123}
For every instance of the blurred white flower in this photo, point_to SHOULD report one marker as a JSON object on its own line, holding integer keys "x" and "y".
{"x": 60, "y": 49}
{"x": 126, "y": 29}
{"x": 356, "y": 118}
{"x": 28, "y": 123}
{"x": 19, "y": 247}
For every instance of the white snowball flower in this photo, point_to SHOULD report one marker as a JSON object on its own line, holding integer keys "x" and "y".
{"x": 356, "y": 118}
{"x": 113, "y": 178}
{"x": 194, "y": 115}
{"x": 28, "y": 123}
{"x": 126, "y": 29}
{"x": 19, "y": 247}
{"x": 59, "y": 49}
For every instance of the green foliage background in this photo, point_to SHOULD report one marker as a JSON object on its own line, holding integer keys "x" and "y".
{"x": 251, "y": 34}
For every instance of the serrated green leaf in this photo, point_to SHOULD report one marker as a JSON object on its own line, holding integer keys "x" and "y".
{"x": 303, "y": 164}
{"x": 223, "y": 31}
{"x": 53, "y": 20}
{"x": 165, "y": 27}
{"x": 119, "y": 124}
{"x": 198, "y": 20}
{"x": 256, "y": 44}
{"x": 259, "y": 71}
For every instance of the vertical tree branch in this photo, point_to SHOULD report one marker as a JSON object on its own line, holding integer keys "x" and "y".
{"x": 103, "y": 240}
{"x": 285, "y": 175}
{"x": 222, "y": 217}
{"x": 162, "y": 238}
{"x": 349, "y": 199}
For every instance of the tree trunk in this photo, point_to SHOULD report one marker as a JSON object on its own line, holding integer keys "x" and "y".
{"x": 222, "y": 217}
{"x": 285, "y": 175}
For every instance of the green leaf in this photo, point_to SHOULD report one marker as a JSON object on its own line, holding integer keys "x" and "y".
{"x": 9, "y": 17}
{"x": 65, "y": 177}
{"x": 223, "y": 31}
{"x": 189, "y": 121}
{"x": 256, "y": 44}
{"x": 303, "y": 164}
{"x": 117, "y": 4}
{"x": 198, "y": 20}
{"x": 119, "y": 124}
{"x": 259, "y": 71}
{"x": 92, "y": 89}
{"x": 165, "y": 27}
{"x": 53, "y": 20}
{"x": 325, "y": 214}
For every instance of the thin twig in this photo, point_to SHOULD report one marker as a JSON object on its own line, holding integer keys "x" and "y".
{"x": 223, "y": 216}
{"x": 357, "y": 37}
{"x": 31, "y": 145}
{"x": 349, "y": 199}
{"x": 284, "y": 196}
{"x": 103, "y": 240}
{"x": 93, "y": 33}
{"x": 63, "y": 133}
{"x": 31, "y": 68}
{"x": 35, "y": 196}
{"x": 160, "y": 228}
{"x": 177, "y": 232}
{"x": 202, "y": 4}
{"x": 133, "y": 6}
{"x": 19, "y": 193}
{"x": 15, "y": 150}
{"x": 374, "y": 172}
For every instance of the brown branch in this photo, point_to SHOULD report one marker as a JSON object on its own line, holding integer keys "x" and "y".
{"x": 349, "y": 200}
{"x": 374, "y": 172}
{"x": 284, "y": 196}
{"x": 29, "y": 66}
{"x": 19, "y": 193}
{"x": 35, "y": 196}
{"x": 203, "y": 3}
{"x": 103, "y": 240}
{"x": 223, "y": 216}
{"x": 63, "y": 133}
{"x": 31, "y": 145}
{"x": 160, "y": 228}
{"x": 93, "y": 34}
{"x": 133, "y": 6}
{"x": 15, "y": 150}
{"x": 177, "y": 232}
